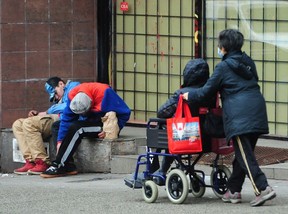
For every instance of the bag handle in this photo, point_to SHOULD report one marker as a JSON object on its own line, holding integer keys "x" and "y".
{"x": 218, "y": 100}
{"x": 182, "y": 107}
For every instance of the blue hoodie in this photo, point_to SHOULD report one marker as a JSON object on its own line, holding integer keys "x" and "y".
{"x": 59, "y": 107}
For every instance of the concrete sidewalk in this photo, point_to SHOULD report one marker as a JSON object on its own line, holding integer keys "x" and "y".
{"x": 107, "y": 193}
{"x": 273, "y": 171}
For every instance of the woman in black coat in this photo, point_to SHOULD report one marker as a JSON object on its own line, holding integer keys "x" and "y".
{"x": 244, "y": 114}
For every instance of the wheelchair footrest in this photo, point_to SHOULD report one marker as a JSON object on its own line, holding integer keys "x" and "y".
{"x": 132, "y": 183}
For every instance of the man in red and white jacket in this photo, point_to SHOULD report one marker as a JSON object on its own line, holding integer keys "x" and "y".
{"x": 89, "y": 101}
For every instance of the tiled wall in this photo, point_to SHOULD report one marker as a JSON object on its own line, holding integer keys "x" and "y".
{"x": 40, "y": 39}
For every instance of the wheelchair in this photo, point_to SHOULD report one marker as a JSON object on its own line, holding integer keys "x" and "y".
{"x": 182, "y": 179}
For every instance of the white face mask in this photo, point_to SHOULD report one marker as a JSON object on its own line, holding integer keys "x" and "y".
{"x": 220, "y": 54}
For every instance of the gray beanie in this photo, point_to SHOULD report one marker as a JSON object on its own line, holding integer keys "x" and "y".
{"x": 81, "y": 103}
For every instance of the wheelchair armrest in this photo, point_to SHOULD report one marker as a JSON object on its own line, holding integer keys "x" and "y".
{"x": 156, "y": 123}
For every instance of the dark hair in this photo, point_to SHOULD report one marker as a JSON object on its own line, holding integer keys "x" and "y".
{"x": 53, "y": 81}
{"x": 230, "y": 40}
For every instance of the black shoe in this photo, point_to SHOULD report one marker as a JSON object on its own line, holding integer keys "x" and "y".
{"x": 70, "y": 169}
{"x": 159, "y": 178}
{"x": 54, "y": 171}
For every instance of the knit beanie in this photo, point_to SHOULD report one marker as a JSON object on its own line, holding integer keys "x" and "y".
{"x": 81, "y": 103}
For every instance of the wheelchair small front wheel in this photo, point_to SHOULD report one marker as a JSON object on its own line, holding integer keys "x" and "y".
{"x": 177, "y": 186}
{"x": 219, "y": 179}
{"x": 197, "y": 188}
{"x": 150, "y": 191}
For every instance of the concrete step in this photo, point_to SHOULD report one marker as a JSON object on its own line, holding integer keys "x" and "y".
{"x": 92, "y": 155}
{"x": 123, "y": 164}
{"x": 126, "y": 164}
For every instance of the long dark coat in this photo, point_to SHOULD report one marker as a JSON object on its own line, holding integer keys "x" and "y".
{"x": 244, "y": 108}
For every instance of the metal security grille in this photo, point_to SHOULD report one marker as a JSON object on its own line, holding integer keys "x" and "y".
{"x": 154, "y": 39}
{"x": 153, "y": 42}
{"x": 265, "y": 28}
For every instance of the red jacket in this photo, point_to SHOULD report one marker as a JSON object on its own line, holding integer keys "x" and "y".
{"x": 94, "y": 90}
{"x": 104, "y": 99}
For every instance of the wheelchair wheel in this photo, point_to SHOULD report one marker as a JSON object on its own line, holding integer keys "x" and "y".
{"x": 219, "y": 179}
{"x": 150, "y": 191}
{"x": 197, "y": 188}
{"x": 177, "y": 186}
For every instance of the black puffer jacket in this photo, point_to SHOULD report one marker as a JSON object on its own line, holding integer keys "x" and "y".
{"x": 244, "y": 108}
{"x": 196, "y": 73}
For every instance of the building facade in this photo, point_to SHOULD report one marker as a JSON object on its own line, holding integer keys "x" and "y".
{"x": 140, "y": 47}
{"x": 154, "y": 39}
{"x": 44, "y": 38}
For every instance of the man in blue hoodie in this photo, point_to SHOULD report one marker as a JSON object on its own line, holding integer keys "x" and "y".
{"x": 30, "y": 131}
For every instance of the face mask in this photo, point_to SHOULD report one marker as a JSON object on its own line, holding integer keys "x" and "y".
{"x": 220, "y": 54}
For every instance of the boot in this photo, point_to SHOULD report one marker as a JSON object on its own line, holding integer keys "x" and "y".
{"x": 24, "y": 169}
{"x": 40, "y": 167}
{"x": 166, "y": 163}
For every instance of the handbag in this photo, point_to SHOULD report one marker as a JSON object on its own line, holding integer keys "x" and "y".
{"x": 213, "y": 125}
{"x": 184, "y": 134}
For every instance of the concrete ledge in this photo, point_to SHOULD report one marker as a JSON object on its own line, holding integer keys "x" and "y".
{"x": 276, "y": 171}
{"x": 92, "y": 155}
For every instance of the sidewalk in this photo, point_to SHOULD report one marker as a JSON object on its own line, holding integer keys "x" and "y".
{"x": 107, "y": 193}
{"x": 273, "y": 171}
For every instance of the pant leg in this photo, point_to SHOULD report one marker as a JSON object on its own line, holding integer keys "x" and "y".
{"x": 238, "y": 175}
{"x": 247, "y": 164}
{"x": 72, "y": 140}
{"x": 35, "y": 129}
{"x": 53, "y": 145}
{"x": 166, "y": 162}
{"x": 17, "y": 128}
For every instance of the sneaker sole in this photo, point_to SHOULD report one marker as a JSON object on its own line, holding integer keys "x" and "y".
{"x": 233, "y": 201}
{"x": 20, "y": 173}
{"x": 58, "y": 175}
{"x": 51, "y": 176}
{"x": 72, "y": 173}
{"x": 34, "y": 173}
{"x": 265, "y": 198}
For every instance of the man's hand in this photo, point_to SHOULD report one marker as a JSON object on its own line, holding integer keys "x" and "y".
{"x": 32, "y": 113}
{"x": 102, "y": 135}
{"x": 58, "y": 146}
{"x": 42, "y": 113}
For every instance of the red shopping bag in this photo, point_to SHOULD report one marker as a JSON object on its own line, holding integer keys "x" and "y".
{"x": 184, "y": 135}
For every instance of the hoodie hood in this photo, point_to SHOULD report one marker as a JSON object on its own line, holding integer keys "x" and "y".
{"x": 196, "y": 73}
{"x": 242, "y": 65}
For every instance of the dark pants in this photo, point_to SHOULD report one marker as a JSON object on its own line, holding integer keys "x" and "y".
{"x": 166, "y": 162}
{"x": 72, "y": 140}
{"x": 53, "y": 145}
{"x": 250, "y": 168}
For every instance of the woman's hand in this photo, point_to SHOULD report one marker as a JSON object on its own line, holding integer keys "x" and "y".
{"x": 185, "y": 96}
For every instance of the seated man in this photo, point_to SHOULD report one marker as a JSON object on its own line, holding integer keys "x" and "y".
{"x": 195, "y": 75}
{"x": 30, "y": 131}
{"x": 91, "y": 101}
